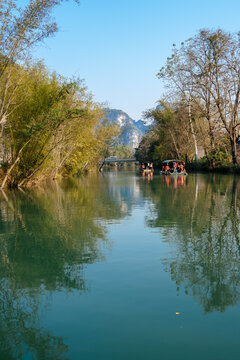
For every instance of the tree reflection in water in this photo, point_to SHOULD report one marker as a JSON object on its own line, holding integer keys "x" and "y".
{"x": 48, "y": 236}
{"x": 200, "y": 219}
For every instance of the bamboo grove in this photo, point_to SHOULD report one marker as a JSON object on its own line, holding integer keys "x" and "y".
{"x": 200, "y": 109}
{"x": 49, "y": 125}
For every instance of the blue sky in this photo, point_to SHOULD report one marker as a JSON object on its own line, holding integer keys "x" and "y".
{"x": 119, "y": 46}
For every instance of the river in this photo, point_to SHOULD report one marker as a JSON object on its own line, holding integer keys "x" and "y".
{"x": 119, "y": 266}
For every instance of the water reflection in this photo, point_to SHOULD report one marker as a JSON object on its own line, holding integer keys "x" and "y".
{"x": 124, "y": 190}
{"x": 48, "y": 236}
{"x": 201, "y": 222}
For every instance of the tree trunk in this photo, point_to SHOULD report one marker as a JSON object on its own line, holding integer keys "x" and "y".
{"x": 101, "y": 165}
{"x": 192, "y": 130}
{"x": 13, "y": 165}
{"x": 234, "y": 150}
{"x": 211, "y": 135}
{"x": 175, "y": 145}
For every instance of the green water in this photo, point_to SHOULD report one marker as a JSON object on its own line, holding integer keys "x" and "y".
{"x": 98, "y": 267}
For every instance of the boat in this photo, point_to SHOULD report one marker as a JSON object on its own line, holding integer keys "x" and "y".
{"x": 172, "y": 171}
{"x": 147, "y": 170}
{"x": 174, "y": 174}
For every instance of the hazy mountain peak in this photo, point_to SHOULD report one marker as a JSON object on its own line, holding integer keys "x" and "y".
{"x": 132, "y": 130}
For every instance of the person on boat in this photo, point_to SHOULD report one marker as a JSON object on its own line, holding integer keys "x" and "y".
{"x": 143, "y": 166}
{"x": 182, "y": 168}
{"x": 167, "y": 169}
{"x": 174, "y": 166}
{"x": 163, "y": 169}
{"x": 178, "y": 168}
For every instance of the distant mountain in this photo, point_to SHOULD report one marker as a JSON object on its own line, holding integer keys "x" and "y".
{"x": 132, "y": 131}
{"x": 141, "y": 126}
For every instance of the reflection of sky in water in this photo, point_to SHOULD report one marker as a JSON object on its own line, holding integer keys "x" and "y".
{"x": 124, "y": 189}
{"x": 97, "y": 267}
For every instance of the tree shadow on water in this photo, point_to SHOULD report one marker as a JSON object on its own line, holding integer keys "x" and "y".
{"x": 201, "y": 222}
{"x": 47, "y": 239}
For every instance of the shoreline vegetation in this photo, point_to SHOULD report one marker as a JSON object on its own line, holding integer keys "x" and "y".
{"x": 198, "y": 118}
{"x": 203, "y": 166}
{"x": 49, "y": 125}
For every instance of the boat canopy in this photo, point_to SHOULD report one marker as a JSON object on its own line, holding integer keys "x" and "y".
{"x": 169, "y": 161}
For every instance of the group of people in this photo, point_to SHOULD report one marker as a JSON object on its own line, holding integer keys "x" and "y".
{"x": 177, "y": 167}
{"x": 147, "y": 166}
{"x": 167, "y": 168}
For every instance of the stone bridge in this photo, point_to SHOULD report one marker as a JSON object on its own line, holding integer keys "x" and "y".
{"x": 112, "y": 160}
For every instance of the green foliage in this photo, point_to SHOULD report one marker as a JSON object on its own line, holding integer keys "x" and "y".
{"x": 170, "y": 136}
{"x": 205, "y": 72}
{"x": 218, "y": 157}
{"x": 148, "y": 148}
{"x": 122, "y": 151}
{"x": 55, "y": 128}
{"x": 48, "y": 125}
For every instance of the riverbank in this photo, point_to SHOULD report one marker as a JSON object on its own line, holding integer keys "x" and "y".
{"x": 204, "y": 166}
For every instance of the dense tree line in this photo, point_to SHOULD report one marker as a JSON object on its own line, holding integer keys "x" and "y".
{"x": 48, "y": 125}
{"x": 201, "y": 105}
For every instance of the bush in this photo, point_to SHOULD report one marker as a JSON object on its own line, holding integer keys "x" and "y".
{"x": 217, "y": 158}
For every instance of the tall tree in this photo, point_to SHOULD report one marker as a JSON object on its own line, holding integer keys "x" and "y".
{"x": 56, "y": 128}
{"x": 20, "y": 30}
{"x": 207, "y": 65}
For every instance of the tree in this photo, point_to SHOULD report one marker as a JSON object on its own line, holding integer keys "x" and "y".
{"x": 107, "y": 138}
{"x": 56, "y": 128}
{"x": 207, "y": 65}
{"x": 49, "y": 125}
{"x": 122, "y": 151}
{"x": 171, "y": 135}
{"x": 146, "y": 149}
{"x": 21, "y": 29}
{"x": 182, "y": 81}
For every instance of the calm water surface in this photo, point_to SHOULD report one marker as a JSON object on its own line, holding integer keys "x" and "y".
{"x": 117, "y": 266}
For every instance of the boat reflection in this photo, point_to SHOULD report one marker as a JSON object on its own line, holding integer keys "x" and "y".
{"x": 49, "y": 237}
{"x": 174, "y": 180}
{"x": 147, "y": 175}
